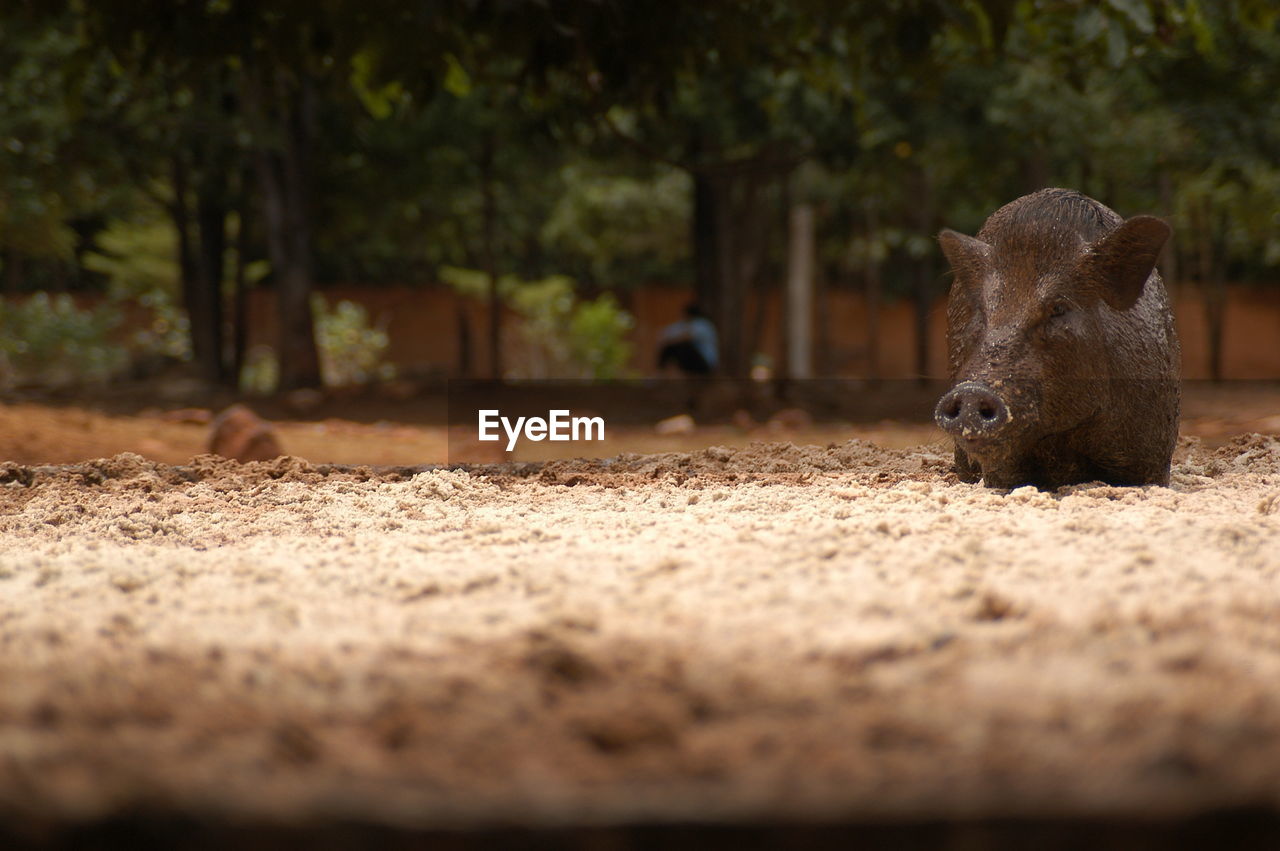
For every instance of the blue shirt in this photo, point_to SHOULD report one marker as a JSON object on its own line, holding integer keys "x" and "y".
{"x": 700, "y": 332}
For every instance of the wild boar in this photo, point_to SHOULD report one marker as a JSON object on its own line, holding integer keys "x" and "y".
{"x": 1062, "y": 346}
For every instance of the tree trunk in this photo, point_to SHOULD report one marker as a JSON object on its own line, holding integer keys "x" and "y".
{"x": 240, "y": 303}
{"x": 59, "y": 279}
{"x": 198, "y": 239}
{"x": 181, "y": 215}
{"x": 464, "y": 339}
{"x": 753, "y": 337}
{"x": 1213, "y": 290}
{"x": 728, "y": 305}
{"x": 705, "y": 254}
{"x": 800, "y": 263}
{"x": 205, "y": 311}
{"x": 822, "y": 333}
{"x": 923, "y": 305}
{"x": 1169, "y": 259}
{"x": 284, "y": 179}
{"x": 1215, "y": 314}
{"x": 873, "y": 289}
{"x": 489, "y": 238}
{"x": 12, "y": 271}
{"x": 752, "y": 273}
{"x": 730, "y": 228}
{"x": 212, "y": 162}
{"x": 194, "y": 291}
{"x": 923, "y": 290}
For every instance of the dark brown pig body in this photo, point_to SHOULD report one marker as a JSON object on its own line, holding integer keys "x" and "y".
{"x": 1062, "y": 345}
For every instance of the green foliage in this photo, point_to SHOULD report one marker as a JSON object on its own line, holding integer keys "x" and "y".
{"x": 621, "y": 230}
{"x": 474, "y": 283}
{"x": 260, "y": 374}
{"x": 565, "y": 337}
{"x": 586, "y": 124}
{"x": 137, "y": 259}
{"x": 34, "y": 127}
{"x": 168, "y": 334}
{"x": 1227, "y": 216}
{"x": 62, "y": 160}
{"x": 560, "y": 334}
{"x": 50, "y": 342}
{"x": 597, "y": 337}
{"x": 352, "y": 350}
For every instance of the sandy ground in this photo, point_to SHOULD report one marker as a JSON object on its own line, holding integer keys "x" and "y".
{"x": 834, "y": 632}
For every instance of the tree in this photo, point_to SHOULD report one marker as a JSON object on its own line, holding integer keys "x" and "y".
{"x": 710, "y": 90}
{"x": 600, "y": 139}
{"x": 57, "y": 187}
{"x": 263, "y": 73}
{"x": 1217, "y": 76}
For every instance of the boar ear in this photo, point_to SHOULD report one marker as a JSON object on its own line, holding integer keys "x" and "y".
{"x": 967, "y": 255}
{"x": 1119, "y": 264}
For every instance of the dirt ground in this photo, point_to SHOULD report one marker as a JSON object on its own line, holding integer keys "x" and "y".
{"x": 772, "y": 632}
{"x": 33, "y": 432}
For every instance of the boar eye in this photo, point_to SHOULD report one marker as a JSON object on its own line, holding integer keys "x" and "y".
{"x": 1060, "y": 307}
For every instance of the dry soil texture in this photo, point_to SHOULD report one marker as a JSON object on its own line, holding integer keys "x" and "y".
{"x": 770, "y": 632}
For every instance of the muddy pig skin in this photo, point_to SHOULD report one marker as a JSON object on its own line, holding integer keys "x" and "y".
{"x": 1062, "y": 347}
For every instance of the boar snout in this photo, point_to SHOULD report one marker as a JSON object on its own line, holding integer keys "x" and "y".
{"x": 972, "y": 410}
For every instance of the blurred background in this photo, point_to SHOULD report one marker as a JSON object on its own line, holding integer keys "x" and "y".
{"x": 331, "y": 210}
